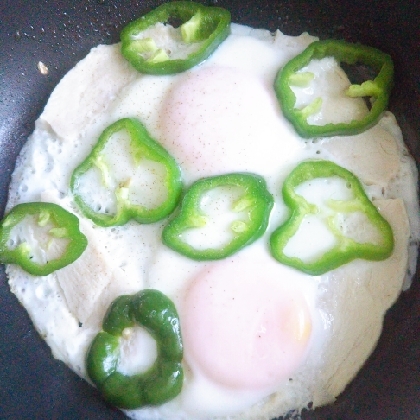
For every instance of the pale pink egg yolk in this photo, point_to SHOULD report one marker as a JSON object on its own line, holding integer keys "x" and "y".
{"x": 244, "y": 328}
{"x": 218, "y": 120}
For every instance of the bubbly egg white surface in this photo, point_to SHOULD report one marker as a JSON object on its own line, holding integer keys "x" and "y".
{"x": 221, "y": 117}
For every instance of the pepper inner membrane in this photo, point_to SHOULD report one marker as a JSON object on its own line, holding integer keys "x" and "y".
{"x": 167, "y": 38}
{"x": 40, "y": 240}
{"x": 333, "y": 220}
{"x": 220, "y": 219}
{"x": 323, "y": 98}
{"x": 119, "y": 174}
{"x": 357, "y": 74}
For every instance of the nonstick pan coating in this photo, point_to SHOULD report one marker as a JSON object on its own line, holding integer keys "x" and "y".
{"x": 59, "y": 33}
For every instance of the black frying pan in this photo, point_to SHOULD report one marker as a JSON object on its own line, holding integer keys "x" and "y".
{"x": 59, "y": 33}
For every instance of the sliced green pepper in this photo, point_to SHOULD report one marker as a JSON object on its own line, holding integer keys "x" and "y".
{"x": 346, "y": 249}
{"x": 378, "y": 89}
{"x": 205, "y": 26}
{"x": 52, "y": 223}
{"x": 255, "y": 201}
{"x": 142, "y": 148}
{"x": 162, "y": 382}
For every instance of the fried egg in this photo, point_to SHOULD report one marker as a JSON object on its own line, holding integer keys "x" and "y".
{"x": 260, "y": 339}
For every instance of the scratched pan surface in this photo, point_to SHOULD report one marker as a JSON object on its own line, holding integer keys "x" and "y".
{"x": 59, "y": 33}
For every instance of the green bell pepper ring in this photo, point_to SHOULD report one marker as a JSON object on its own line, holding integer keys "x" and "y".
{"x": 163, "y": 381}
{"x": 53, "y": 223}
{"x": 142, "y": 148}
{"x": 255, "y": 201}
{"x": 346, "y": 249}
{"x": 378, "y": 89}
{"x": 205, "y": 26}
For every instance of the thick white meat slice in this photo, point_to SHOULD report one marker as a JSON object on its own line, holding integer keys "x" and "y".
{"x": 92, "y": 282}
{"x": 375, "y": 286}
{"x": 96, "y": 278}
{"x": 373, "y": 158}
{"x": 104, "y": 68}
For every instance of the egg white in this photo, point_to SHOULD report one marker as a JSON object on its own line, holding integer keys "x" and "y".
{"x": 219, "y": 117}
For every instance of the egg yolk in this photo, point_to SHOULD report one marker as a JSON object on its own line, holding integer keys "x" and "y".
{"x": 217, "y": 120}
{"x": 244, "y": 327}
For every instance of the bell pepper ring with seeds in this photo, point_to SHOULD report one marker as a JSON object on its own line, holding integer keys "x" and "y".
{"x": 155, "y": 312}
{"x": 253, "y": 202}
{"x": 141, "y": 149}
{"x": 50, "y": 225}
{"x": 377, "y": 89}
{"x": 201, "y": 32}
{"x": 345, "y": 248}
